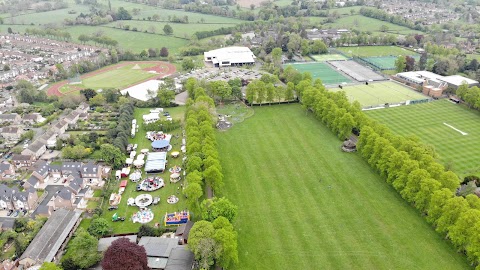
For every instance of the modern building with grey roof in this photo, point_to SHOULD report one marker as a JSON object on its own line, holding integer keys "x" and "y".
{"x": 180, "y": 259}
{"x": 50, "y": 238}
{"x": 105, "y": 243}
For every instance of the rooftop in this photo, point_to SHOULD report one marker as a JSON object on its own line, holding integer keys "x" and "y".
{"x": 106, "y": 242}
{"x": 49, "y": 239}
{"x": 157, "y": 246}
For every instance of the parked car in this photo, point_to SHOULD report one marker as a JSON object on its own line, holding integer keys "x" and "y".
{"x": 113, "y": 207}
{"x": 166, "y": 114}
{"x": 10, "y": 212}
{"x": 156, "y": 200}
{"x": 16, "y": 213}
{"x": 24, "y": 211}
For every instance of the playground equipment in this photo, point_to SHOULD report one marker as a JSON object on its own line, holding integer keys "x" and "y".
{"x": 172, "y": 199}
{"x": 176, "y": 218}
{"x": 151, "y": 184}
{"x": 115, "y": 199}
{"x": 143, "y": 200}
{"x": 143, "y": 216}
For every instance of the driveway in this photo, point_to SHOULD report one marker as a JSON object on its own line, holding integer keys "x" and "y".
{"x": 52, "y": 190}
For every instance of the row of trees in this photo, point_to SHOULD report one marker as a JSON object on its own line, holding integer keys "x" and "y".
{"x": 119, "y": 135}
{"x": 259, "y": 91}
{"x": 217, "y": 90}
{"x": 49, "y": 33}
{"x": 212, "y": 240}
{"x": 409, "y": 166}
{"x": 470, "y": 95}
{"x": 102, "y": 40}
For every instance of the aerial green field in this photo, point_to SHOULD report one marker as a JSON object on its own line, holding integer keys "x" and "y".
{"x": 322, "y": 71}
{"x": 379, "y": 93}
{"x": 135, "y": 41}
{"x": 428, "y": 121}
{"x": 170, "y": 189}
{"x": 118, "y": 78}
{"x": 181, "y": 30}
{"x": 367, "y": 24}
{"x": 304, "y": 204}
{"x": 368, "y": 51}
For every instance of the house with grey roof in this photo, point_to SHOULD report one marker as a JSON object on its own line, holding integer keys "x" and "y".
{"x": 49, "y": 241}
{"x": 106, "y": 242}
{"x": 14, "y": 199}
{"x": 12, "y": 133}
{"x": 32, "y": 181}
{"x": 43, "y": 211}
{"x": 32, "y": 118}
{"x": 22, "y": 161}
{"x": 161, "y": 250}
{"x": 36, "y": 149}
{"x": 60, "y": 127}
{"x": 64, "y": 199}
{"x": 7, "y": 171}
{"x": 10, "y": 118}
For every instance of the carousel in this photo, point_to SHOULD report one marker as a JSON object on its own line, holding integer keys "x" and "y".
{"x": 143, "y": 216}
{"x": 151, "y": 184}
{"x": 143, "y": 200}
{"x": 175, "y": 169}
{"x": 172, "y": 199}
{"x": 175, "y": 177}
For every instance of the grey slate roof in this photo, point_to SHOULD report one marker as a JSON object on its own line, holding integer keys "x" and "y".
{"x": 65, "y": 194}
{"x": 49, "y": 239}
{"x": 4, "y": 167}
{"x": 41, "y": 167}
{"x": 7, "y": 117}
{"x": 180, "y": 259}
{"x": 32, "y": 180}
{"x": 106, "y": 242}
{"x": 35, "y": 146}
{"x": 157, "y": 246}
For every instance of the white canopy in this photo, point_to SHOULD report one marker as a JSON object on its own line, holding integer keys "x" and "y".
{"x": 129, "y": 161}
{"x": 138, "y": 162}
{"x": 141, "y": 157}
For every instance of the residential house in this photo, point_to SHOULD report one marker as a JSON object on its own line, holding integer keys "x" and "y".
{"x": 12, "y": 133}
{"x": 41, "y": 171}
{"x": 22, "y": 161}
{"x": 60, "y": 127}
{"x": 36, "y": 149}
{"x": 32, "y": 182}
{"x": 49, "y": 138}
{"x": 13, "y": 199}
{"x": 72, "y": 117}
{"x": 183, "y": 231}
{"x": 7, "y": 171}
{"x": 64, "y": 199}
{"x": 32, "y": 118}
{"x": 10, "y": 118}
{"x": 43, "y": 211}
{"x": 91, "y": 172}
{"x": 165, "y": 253}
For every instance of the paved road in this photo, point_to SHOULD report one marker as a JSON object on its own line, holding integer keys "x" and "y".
{"x": 52, "y": 190}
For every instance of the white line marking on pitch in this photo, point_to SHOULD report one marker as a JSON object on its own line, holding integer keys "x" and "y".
{"x": 456, "y": 129}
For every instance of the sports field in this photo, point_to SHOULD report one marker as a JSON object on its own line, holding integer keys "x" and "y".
{"x": 363, "y": 23}
{"x": 368, "y": 51}
{"x": 328, "y": 57}
{"x": 379, "y": 93}
{"x": 385, "y": 62}
{"x": 304, "y": 204}
{"x": 321, "y": 71}
{"x": 117, "y": 76}
{"x": 429, "y": 122}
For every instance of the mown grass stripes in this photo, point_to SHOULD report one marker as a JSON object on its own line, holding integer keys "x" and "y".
{"x": 304, "y": 204}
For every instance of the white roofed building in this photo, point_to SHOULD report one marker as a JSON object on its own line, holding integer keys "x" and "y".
{"x": 230, "y": 56}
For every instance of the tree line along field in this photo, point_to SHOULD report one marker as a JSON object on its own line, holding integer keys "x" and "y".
{"x": 457, "y": 151}
{"x": 304, "y": 204}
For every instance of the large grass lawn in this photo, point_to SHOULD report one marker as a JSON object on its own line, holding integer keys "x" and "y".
{"x": 170, "y": 189}
{"x": 379, "y": 93}
{"x": 368, "y": 51}
{"x": 460, "y": 152}
{"x": 368, "y": 24}
{"x": 304, "y": 204}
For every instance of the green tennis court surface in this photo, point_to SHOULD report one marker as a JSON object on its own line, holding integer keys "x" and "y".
{"x": 384, "y": 62}
{"x": 368, "y": 51}
{"x": 321, "y": 71}
{"x": 328, "y": 57}
{"x": 379, "y": 93}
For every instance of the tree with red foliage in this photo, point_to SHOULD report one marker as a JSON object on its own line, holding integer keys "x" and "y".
{"x": 123, "y": 254}
{"x": 410, "y": 63}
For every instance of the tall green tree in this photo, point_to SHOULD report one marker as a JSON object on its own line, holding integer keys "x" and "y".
{"x": 400, "y": 64}
{"x": 167, "y": 29}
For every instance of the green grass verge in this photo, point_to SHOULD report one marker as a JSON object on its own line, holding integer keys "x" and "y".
{"x": 327, "y": 57}
{"x": 458, "y": 152}
{"x": 304, "y": 204}
{"x": 380, "y": 93}
{"x": 170, "y": 189}
{"x": 368, "y": 51}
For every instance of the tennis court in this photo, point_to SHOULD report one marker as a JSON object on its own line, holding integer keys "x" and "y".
{"x": 327, "y": 57}
{"x": 380, "y": 93}
{"x": 384, "y": 62}
{"x": 321, "y": 71}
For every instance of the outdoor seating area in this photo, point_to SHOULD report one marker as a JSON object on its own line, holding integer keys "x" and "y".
{"x": 151, "y": 184}
{"x": 172, "y": 199}
{"x": 143, "y": 216}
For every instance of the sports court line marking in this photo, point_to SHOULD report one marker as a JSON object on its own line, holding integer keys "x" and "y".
{"x": 456, "y": 129}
